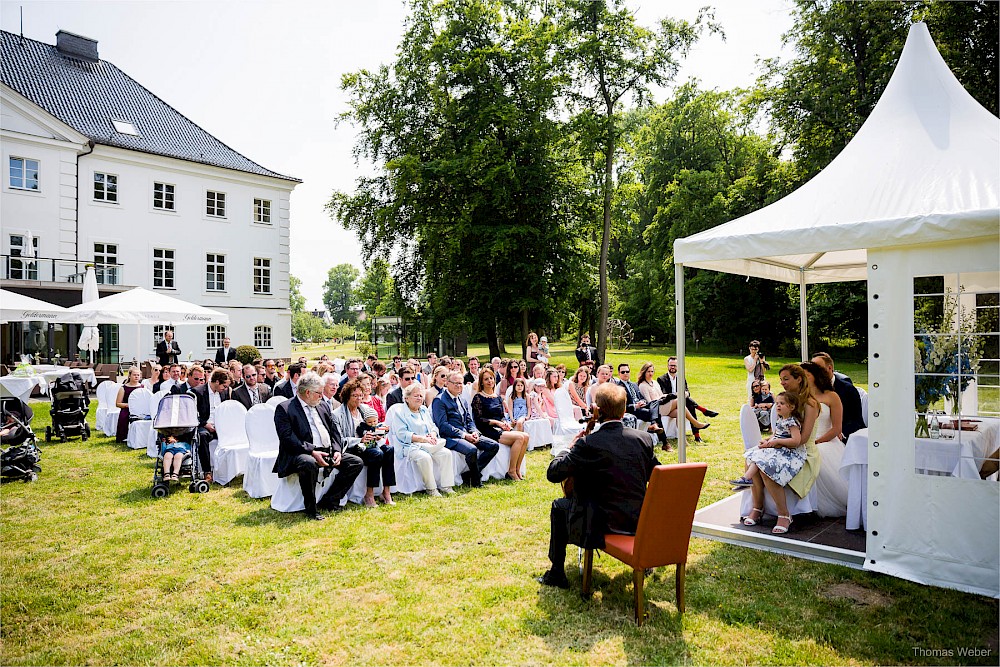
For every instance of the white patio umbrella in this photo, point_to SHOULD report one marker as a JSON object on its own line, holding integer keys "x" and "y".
{"x": 141, "y": 306}
{"x": 16, "y": 307}
{"x": 90, "y": 337}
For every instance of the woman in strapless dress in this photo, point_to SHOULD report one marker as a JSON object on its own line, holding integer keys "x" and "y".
{"x": 831, "y": 487}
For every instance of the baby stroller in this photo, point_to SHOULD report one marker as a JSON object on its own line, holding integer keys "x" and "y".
{"x": 177, "y": 417}
{"x": 19, "y": 457}
{"x": 70, "y": 403}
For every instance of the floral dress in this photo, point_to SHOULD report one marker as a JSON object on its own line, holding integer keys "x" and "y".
{"x": 779, "y": 463}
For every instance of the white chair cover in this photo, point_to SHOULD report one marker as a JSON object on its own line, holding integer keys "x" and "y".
{"x": 864, "y": 405}
{"x": 750, "y": 429}
{"x": 276, "y": 400}
{"x": 152, "y": 450}
{"x": 107, "y": 392}
{"x": 566, "y": 426}
{"x": 498, "y": 467}
{"x": 229, "y": 460}
{"x": 258, "y": 480}
{"x": 408, "y": 478}
{"x": 539, "y": 433}
{"x": 140, "y": 432}
{"x": 287, "y": 497}
{"x": 467, "y": 393}
{"x": 357, "y": 492}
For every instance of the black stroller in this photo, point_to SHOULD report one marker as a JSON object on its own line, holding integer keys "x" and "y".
{"x": 19, "y": 456}
{"x": 70, "y": 403}
{"x": 177, "y": 419}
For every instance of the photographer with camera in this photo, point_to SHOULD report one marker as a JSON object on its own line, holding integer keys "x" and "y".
{"x": 586, "y": 354}
{"x": 755, "y": 365}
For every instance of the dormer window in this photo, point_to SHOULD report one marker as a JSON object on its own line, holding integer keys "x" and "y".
{"x": 125, "y": 127}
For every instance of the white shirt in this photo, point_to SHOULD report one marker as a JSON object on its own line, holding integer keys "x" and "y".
{"x": 214, "y": 399}
{"x": 320, "y": 436}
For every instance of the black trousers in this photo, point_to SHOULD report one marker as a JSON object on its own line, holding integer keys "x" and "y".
{"x": 204, "y": 455}
{"x": 380, "y": 462}
{"x": 305, "y": 466}
{"x": 559, "y": 533}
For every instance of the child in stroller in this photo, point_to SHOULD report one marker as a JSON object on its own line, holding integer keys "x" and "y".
{"x": 70, "y": 403}
{"x": 19, "y": 458}
{"x": 176, "y": 425}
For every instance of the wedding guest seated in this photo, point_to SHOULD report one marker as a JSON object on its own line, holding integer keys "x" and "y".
{"x": 271, "y": 376}
{"x": 473, "y": 373}
{"x": 762, "y": 400}
{"x": 363, "y": 443}
{"x": 453, "y": 417}
{"x": 251, "y": 392}
{"x": 331, "y": 385}
{"x": 406, "y": 378}
{"x": 651, "y": 391}
{"x": 370, "y": 399}
{"x": 440, "y": 379}
{"x": 489, "y": 417}
{"x": 415, "y": 437}
{"x": 578, "y": 390}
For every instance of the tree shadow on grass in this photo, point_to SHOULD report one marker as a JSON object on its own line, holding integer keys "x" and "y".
{"x": 572, "y": 626}
{"x": 266, "y": 516}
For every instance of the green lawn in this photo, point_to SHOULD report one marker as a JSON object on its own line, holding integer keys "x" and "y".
{"x": 96, "y": 572}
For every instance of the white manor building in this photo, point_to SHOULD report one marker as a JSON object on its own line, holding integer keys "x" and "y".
{"x": 99, "y": 170}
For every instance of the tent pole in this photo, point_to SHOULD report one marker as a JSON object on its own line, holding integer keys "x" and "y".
{"x": 681, "y": 384}
{"x": 803, "y": 319}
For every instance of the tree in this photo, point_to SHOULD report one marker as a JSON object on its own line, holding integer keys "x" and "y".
{"x": 296, "y": 302}
{"x": 376, "y": 289}
{"x": 474, "y": 202}
{"x": 338, "y": 292}
{"x": 609, "y": 58}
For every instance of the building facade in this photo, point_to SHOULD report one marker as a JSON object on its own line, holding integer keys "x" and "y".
{"x": 98, "y": 170}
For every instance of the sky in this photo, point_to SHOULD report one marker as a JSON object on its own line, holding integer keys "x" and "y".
{"x": 264, "y": 78}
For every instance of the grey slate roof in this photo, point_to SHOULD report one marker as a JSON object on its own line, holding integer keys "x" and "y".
{"x": 88, "y": 95}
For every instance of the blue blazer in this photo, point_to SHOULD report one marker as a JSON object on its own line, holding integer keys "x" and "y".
{"x": 448, "y": 417}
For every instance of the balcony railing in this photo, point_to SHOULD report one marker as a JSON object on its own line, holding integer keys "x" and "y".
{"x": 50, "y": 269}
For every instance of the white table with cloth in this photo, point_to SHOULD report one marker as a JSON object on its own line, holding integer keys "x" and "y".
{"x": 21, "y": 386}
{"x": 960, "y": 456}
{"x": 52, "y": 373}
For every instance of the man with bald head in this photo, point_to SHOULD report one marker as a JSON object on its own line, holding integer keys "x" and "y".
{"x": 453, "y": 417}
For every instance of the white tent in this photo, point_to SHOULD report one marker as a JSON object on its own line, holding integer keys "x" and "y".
{"x": 915, "y": 193}
{"x": 140, "y": 306}
{"x": 16, "y": 307}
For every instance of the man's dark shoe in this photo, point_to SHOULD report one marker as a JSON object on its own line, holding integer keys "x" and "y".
{"x": 316, "y": 517}
{"x": 467, "y": 478}
{"x": 552, "y": 579}
{"x": 709, "y": 413}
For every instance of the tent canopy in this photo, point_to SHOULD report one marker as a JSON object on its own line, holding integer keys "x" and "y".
{"x": 141, "y": 306}
{"x": 924, "y": 168}
{"x": 19, "y": 308}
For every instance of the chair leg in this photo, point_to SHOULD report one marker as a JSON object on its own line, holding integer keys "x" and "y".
{"x": 681, "y": 568}
{"x": 588, "y": 571}
{"x": 638, "y": 578}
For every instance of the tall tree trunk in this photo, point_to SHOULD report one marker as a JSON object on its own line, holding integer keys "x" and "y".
{"x": 602, "y": 320}
{"x": 524, "y": 333}
{"x": 491, "y": 337}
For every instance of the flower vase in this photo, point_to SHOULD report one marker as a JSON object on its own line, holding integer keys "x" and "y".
{"x": 922, "y": 428}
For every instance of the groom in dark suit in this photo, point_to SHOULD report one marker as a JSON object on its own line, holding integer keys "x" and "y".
{"x": 226, "y": 353}
{"x": 167, "y": 350}
{"x": 453, "y": 417}
{"x": 610, "y": 469}
{"x": 305, "y": 424}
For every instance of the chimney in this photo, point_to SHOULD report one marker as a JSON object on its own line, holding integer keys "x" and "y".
{"x": 77, "y": 46}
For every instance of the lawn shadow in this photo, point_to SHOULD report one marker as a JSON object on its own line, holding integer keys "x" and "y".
{"x": 570, "y": 623}
{"x": 139, "y": 495}
{"x": 267, "y": 516}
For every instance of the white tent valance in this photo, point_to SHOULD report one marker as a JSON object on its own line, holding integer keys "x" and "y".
{"x": 16, "y": 307}
{"x": 141, "y": 306}
{"x": 924, "y": 168}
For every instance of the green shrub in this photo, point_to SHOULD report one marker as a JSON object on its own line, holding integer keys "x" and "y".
{"x": 247, "y": 354}
{"x": 364, "y": 349}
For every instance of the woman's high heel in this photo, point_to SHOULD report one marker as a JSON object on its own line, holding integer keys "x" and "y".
{"x": 779, "y": 529}
{"x": 755, "y": 514}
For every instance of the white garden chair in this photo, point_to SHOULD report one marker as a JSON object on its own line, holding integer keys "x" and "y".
{"x": 140, "y": 431}
{"x": 259, "y": 480}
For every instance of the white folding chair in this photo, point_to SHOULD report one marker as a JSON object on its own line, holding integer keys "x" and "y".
{"x": 140, "y": 431}
{"x": 259, "y": 480}
{"x": 229, "y": 460}
{"x": 107, "y": 411}
{"x": 152, "y": 449}
{"x": 750, "y": 430}
{"x": 567, "y": 425}
{"x": 539, "y": 433}
{"x": 864, "y": 405}
{"x": 276, "y": 400}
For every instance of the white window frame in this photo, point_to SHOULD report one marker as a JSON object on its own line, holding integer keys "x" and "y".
{"x": 108, "y": 196}
{"x": 27, "y": 269}
{"x": 262, "y": 276}
{"x": 262, "y": 338}
{"x": 158, "y": 331}
{"x": 215, "y": 204}
{"x": 164, "y": 268}
{"x": 172, "y": 208}
{"x": 24, "y": 168}
{"x": 106, "y": 255}
{"x": 215, "y": 272}
{"x": 214, "y": 335}
{"x": 261, "y": 211}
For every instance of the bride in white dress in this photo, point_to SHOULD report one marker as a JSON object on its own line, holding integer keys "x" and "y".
{"x": 831, "y": 487}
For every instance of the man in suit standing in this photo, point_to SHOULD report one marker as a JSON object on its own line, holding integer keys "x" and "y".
{"x": 287, "y": 387}
{"x": 167, "y": 350}
{"x": 852, "y": 419}
{"x": 610, "y": 469}
{"x": 251, "y": 392}
{"x": 225, "y": 353}
{"x": 586, "y": 354}
{"x": 406, "y": 377}
{"x": 668, "y": 385}
{"x": 208, "y": 398}
{"x": 453, "y": 417}
{"x": 305, "y": 424}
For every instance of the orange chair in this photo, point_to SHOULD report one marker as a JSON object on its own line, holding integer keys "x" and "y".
{"x": 663, "y": 533}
